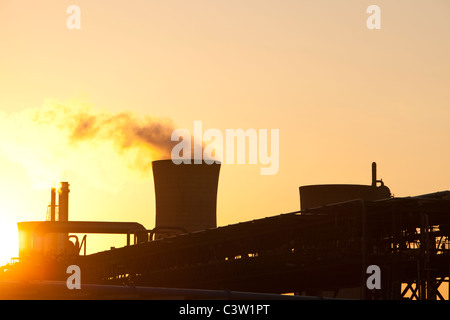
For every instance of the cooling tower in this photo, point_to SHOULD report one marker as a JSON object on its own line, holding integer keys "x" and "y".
{"x": 186, "y": 195}
{"x": 319, "y": 195}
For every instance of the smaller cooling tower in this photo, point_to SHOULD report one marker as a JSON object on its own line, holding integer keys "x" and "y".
{"x": 186, "y": 195}
{"x": 320, "y": 195}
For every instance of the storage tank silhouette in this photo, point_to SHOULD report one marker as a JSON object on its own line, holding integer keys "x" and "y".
{"x": 318, "y": 195}
{"x": 185, "y": 195}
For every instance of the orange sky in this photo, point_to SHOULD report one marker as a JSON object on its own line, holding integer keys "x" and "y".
{"x": 341, "y": 96}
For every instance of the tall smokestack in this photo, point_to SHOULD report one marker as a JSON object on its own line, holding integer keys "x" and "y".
{"x": 63, "y": 202}
{"x": 374, "y": 174}
{"x": 53, "y": 204}
{"x": 186, "y": 195}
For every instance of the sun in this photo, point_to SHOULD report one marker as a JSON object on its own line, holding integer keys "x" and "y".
{"x": 9, "y": 246}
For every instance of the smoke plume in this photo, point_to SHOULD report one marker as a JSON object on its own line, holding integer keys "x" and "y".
{"x": 63, "y": 141}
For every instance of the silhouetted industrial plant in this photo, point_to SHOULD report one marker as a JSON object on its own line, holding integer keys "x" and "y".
{"x": 322, "y": 250}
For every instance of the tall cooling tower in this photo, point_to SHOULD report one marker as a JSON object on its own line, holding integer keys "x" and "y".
{"x": 186, "y": 195}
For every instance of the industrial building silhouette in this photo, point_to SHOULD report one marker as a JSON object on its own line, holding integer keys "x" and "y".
{"x": 322, "y": 250}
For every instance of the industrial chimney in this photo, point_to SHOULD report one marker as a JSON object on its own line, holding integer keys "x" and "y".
{"x": 186, "y": 195}
{"x": 63, "y": 202}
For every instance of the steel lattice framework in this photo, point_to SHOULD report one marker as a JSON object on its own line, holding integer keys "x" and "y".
{"x": 310, "y": 252}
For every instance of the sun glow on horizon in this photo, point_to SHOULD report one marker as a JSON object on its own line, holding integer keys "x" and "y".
{"x": 96, "y": 151}
{"x": 9, "y": 246}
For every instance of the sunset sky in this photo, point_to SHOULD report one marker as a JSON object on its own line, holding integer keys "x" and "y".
{"x": 341, "y": 95}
